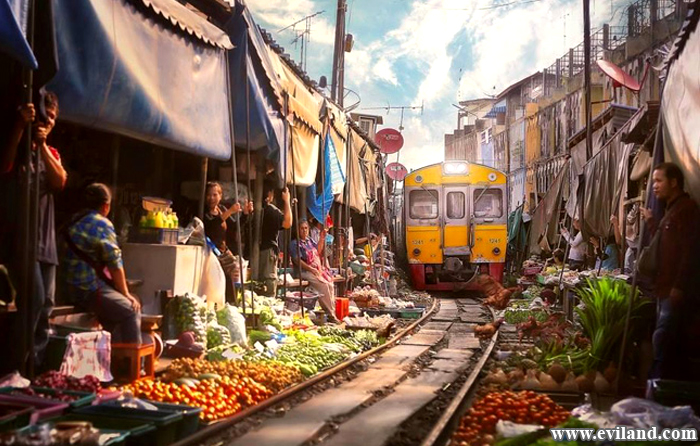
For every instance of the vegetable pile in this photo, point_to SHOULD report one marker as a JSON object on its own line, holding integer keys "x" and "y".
{"x": 478, "y": 426}
{"x": 56, "y": 380}
{"x": 54, "y": 396}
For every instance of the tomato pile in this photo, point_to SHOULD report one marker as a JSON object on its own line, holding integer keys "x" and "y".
{"x": 273, "y": 375}
{"x": 219, "y": 398}
{"x": 478, "y": 426}
{"x": 56, "y": 380}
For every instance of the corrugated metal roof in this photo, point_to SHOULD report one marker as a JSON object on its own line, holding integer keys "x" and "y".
{"x": 495, "y": 110}
{"x": 190, "y": 22}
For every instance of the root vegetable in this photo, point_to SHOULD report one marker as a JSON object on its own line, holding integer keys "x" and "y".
{"x": 600, "y": 383}
{"x": 570, "y": 384}
{"x": 557, "y": 372}
{"x": 585, "y": 384}
{"x": 547, "y": 382}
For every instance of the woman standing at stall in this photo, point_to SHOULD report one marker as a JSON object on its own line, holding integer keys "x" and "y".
{"x": 220, "y": 227}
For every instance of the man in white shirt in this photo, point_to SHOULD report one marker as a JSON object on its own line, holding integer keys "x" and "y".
{"x": 577, "y": 251}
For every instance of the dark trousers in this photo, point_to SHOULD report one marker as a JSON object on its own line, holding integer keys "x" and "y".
{"x": 114, "y": 312}
{"x": 673, "y": 349}
{"x": 44, "y": 301}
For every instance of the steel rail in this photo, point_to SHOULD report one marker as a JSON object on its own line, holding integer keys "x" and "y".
{"x": 451, "y": 415}
{"x": 212, "y": 429}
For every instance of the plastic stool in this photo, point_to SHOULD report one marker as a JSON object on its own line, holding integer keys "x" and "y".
{"x": 342, "y": 307}
{"x": 134, "y": 354}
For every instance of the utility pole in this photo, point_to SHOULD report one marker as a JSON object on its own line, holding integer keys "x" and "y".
{"x": 587, "y": 74}
{"x": 338, "y": 81}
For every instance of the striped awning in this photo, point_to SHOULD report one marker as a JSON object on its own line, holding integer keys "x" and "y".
{"x": 495, "y": 111}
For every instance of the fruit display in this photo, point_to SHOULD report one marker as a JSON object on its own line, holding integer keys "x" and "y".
{"x": 478, "y": 426}
{"x": 56, "y": 380}
{"x": 272, "y": 374}
{"x": 220, "y": 397}
{"x": 309, "y": 358}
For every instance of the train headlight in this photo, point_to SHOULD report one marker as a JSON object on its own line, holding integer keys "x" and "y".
{"x": 496, "y": 251}
{"x": 416, "y": 252}
{"x": 455, "y": 168}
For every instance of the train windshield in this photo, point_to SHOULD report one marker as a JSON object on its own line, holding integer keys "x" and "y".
{"x": 455, "y": 205}
{"x": 488, "y": 203}
{"x": 424, "y": 204}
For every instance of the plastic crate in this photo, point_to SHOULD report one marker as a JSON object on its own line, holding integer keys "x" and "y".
{"x": 165, "y": 422}
{"x": 190, "y": 416}
{"x": 44, "y": 409}
{"x": 82, "y": 398}
{"x": 412, "y": 313}
{"x": 140, "y": 433}
{"x": 14, "y": 416}
{"x": 153, "y": 236}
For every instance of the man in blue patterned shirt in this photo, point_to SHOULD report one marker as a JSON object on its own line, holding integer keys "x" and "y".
{"x": 93, "y": 248}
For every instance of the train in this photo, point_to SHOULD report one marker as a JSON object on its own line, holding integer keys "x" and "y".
{"x": 455, "y": 219}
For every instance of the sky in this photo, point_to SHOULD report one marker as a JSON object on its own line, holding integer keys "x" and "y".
{"x": 433, "y": 53}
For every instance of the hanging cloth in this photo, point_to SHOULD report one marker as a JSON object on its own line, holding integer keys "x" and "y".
{"x": 319, "y": 204}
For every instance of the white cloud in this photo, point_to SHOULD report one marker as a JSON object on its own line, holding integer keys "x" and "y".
{"x": 282, "y": 13}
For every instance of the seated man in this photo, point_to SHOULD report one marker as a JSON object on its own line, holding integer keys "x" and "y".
{"x": 92, "y": 248}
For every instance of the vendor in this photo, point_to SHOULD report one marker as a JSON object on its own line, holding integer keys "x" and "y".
{"x": 92, "y": 248}
{"x": 557, "y": 259}
{"x": 273, "y": 221}
{"x": 606, "y": 258}
{"x": 307, "y": 255}
{"x": 372, "y": 244}
{"x": 577, "y": 249}
{"x": 220, "y": 227}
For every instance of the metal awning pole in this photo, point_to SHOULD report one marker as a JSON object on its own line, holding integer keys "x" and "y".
{"x": 29, "y": 233}
{"x": 287, "y": 232}
{"x": 235, "y": 186}
{"x": 253, "y": 233}
{"x": 296, "y": 224}
{"x": 346, "y": 206}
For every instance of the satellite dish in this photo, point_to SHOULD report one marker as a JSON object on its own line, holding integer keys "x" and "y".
{"x": 619, "y": 77}
{"x": 396, "y": 171}
{"x": 389, "y": 141}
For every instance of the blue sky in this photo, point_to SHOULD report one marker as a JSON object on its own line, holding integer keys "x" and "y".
{"x": 433, "y": 52}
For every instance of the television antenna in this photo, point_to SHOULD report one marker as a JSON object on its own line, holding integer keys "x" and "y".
{"x": 302, "y": 37}
{"x": 403, "y": 108}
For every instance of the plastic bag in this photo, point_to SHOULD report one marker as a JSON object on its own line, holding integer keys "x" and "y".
{"x": 645, "y": 414}
{"x": 188, "y": 311}
{"x": 508, "y": 429}
{"x": 88, "y": 353}
{"x": 194, "y": 233}
{"x": 217, "y": 335}
{"x": 231, "y": 318}
{"x": 213, "y": 282}
{"x": 128, "y": 400}
{"x": 14, "y": 379}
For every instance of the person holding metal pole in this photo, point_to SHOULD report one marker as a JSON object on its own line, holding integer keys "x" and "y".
{"x": 273, "y": 220}
{"x": 52, "y": 179}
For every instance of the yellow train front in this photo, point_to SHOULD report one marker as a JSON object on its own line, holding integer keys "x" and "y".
{"x": 455, "y": 220}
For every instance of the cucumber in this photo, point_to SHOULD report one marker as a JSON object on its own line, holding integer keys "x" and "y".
{"x": 204, "y": 376}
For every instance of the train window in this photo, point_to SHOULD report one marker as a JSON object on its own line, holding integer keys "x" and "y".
{"x": 488, "y": 203}
{"x": 455, "y": 205}
{"x": 424, "y": 204}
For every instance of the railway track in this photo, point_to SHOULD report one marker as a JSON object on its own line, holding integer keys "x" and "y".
{"x": 409, "y": 391}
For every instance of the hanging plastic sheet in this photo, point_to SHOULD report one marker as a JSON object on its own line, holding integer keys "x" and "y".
{"x": 357, "y": 193}
{"x": 147, "y": 71}
{"x": 337, "y": 175}
{"x": 319, "y": 204}
{"x": 605, "y": 175}
{"x": 13, "y": 26}
{"x": 680, "y": 105}
{"x": 252, "y": 69}
{"x": 517, "y": 188}
{"x": 545, "y": 218}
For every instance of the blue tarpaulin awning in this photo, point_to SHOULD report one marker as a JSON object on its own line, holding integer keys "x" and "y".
{"x": 495, "y": 111}
{"x": 151, "y": 70}
{"x": 13, "y": 16}
{"x": 251, "y": 69}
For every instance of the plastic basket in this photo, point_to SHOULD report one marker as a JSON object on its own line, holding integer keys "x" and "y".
{"x": 190, "y": 416}
{"x": 165, "y": 422}
{"x": 43, "y": 409}
{"x": 292, "y": 301}
{"x": 412, "y": 313}
{"x": 14, "y": 416}
{"x": 153, "y": 236}
{"x": 81, "y": 398}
